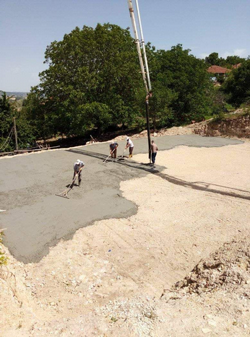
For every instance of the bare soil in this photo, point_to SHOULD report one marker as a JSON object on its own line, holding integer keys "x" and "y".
{"x": 178, "y": 267}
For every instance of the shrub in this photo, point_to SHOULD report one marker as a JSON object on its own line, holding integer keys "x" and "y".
{"x": 3, "y": 258}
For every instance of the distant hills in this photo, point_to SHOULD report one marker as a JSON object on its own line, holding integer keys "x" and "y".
{"x": 16, "y": 94}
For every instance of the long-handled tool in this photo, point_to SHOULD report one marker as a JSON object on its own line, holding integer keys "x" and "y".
{"x": 122, "y": 157}
{"x": 105, "y": 160}
{"x": 64, "y": 194}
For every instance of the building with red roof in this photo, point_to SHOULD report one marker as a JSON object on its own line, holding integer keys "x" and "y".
{"x": 236, "y": 65}
{"x": 218, "y": 70}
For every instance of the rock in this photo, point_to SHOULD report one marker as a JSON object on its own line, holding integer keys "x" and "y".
{"x": 211, "y": 322}
{"x": 205, "y": 330}
{"x": 82, "y": 278}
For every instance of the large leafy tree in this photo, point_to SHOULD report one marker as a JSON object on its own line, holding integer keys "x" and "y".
{"x": 237, "y": 86}
{"x": 6, "y": 117}
{"x": 228, "y": 62}
{"x": 39, "y": 111}
{"x": 182, "y": 87}
{"x": 92, "y": 81}
{"x": 213, "y": 59}
{"x": 24, "y": 129}
{"x": 233, "y": 60}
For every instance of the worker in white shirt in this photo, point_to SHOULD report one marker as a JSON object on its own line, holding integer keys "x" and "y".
{"x": 130, "y": 146}
{"x": 78, "y": 166}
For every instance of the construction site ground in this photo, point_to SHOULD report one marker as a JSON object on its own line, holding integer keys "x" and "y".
{"x": 136, "y": 250}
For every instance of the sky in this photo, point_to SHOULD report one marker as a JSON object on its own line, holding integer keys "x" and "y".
{"x": 27, "y": 27}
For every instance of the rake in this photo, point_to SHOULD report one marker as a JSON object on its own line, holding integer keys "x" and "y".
{"x": 64, "y": 194}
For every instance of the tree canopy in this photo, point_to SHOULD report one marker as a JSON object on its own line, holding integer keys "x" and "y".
{"x": 228, "y": 62}
{"x": 182, "y": 87}
{"x": 25, "y": 131}
{"x": 93, "y": 80}
{"x": 93, "y": 83}
{"x": 237, "y": 86}
{"x": 5, "y": 120}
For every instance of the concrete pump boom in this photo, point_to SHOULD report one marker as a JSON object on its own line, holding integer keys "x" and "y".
{"x": 137, "y": 41}
{"x": 144, "y": 70}
{"x": 143, "y": 45}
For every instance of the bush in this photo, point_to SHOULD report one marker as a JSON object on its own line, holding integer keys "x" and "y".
{"x": 237, "y": 86}
{"x": 3, "y": 258}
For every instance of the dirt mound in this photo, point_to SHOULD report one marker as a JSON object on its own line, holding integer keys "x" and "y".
{"x": 227, "y": 269}
{"x": 174, "y": 131}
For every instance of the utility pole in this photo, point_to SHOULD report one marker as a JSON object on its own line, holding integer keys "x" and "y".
{"x": 14, "y": 120}
{"x": 144, "y": 69}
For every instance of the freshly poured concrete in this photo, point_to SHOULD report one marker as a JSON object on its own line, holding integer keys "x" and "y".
{"x": 36, "y": 218}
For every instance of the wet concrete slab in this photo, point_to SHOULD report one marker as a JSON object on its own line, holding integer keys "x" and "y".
{"x": 36, "y": 219}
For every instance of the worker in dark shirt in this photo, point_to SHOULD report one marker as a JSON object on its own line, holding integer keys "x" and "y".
{"x": 113, "y": 149}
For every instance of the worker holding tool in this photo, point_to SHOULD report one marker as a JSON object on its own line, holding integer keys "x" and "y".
{"x": 113, "y": 149}
{"x": 78, "y": 166}
{"x": 130, "y": 145}
{"x": 154, "y": 150}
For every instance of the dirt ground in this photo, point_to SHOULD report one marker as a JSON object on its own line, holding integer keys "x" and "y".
{"x": 180, "y": 266}
{"x": 36, "y": 219}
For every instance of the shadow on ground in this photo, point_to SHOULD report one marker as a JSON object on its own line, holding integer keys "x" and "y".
{"x": 197, "y": 185}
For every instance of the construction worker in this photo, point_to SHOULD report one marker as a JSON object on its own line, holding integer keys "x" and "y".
{"x": 113, "y": 149}
{"x": 154, "y": 150}
{"x": 130, "y": 145}
{"x": 78, "y": 166}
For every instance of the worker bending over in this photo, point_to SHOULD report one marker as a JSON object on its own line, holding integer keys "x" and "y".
{"x": 130, "y": 145}
{"x": 78, "y": 166}
{"x": 113, "y": 149}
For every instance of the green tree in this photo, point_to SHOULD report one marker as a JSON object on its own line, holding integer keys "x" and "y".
{"x": 237, "y": 86}
{"x": 213, "y": 59}
{"x": 90, "y": 116}
{"x": 91, "y": 72}
{"x": 233, "y": 60}
{"x": 38, "y": 110}
{"x": 24, "y": 129}
{"x": 6, "y": 122}
{"x": 182, "y": 85}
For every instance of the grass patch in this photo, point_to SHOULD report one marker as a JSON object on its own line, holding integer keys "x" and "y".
{"x": 3, "y": 258}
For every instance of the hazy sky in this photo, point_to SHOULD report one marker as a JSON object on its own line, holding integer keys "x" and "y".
{"x": 28, "y": 26}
